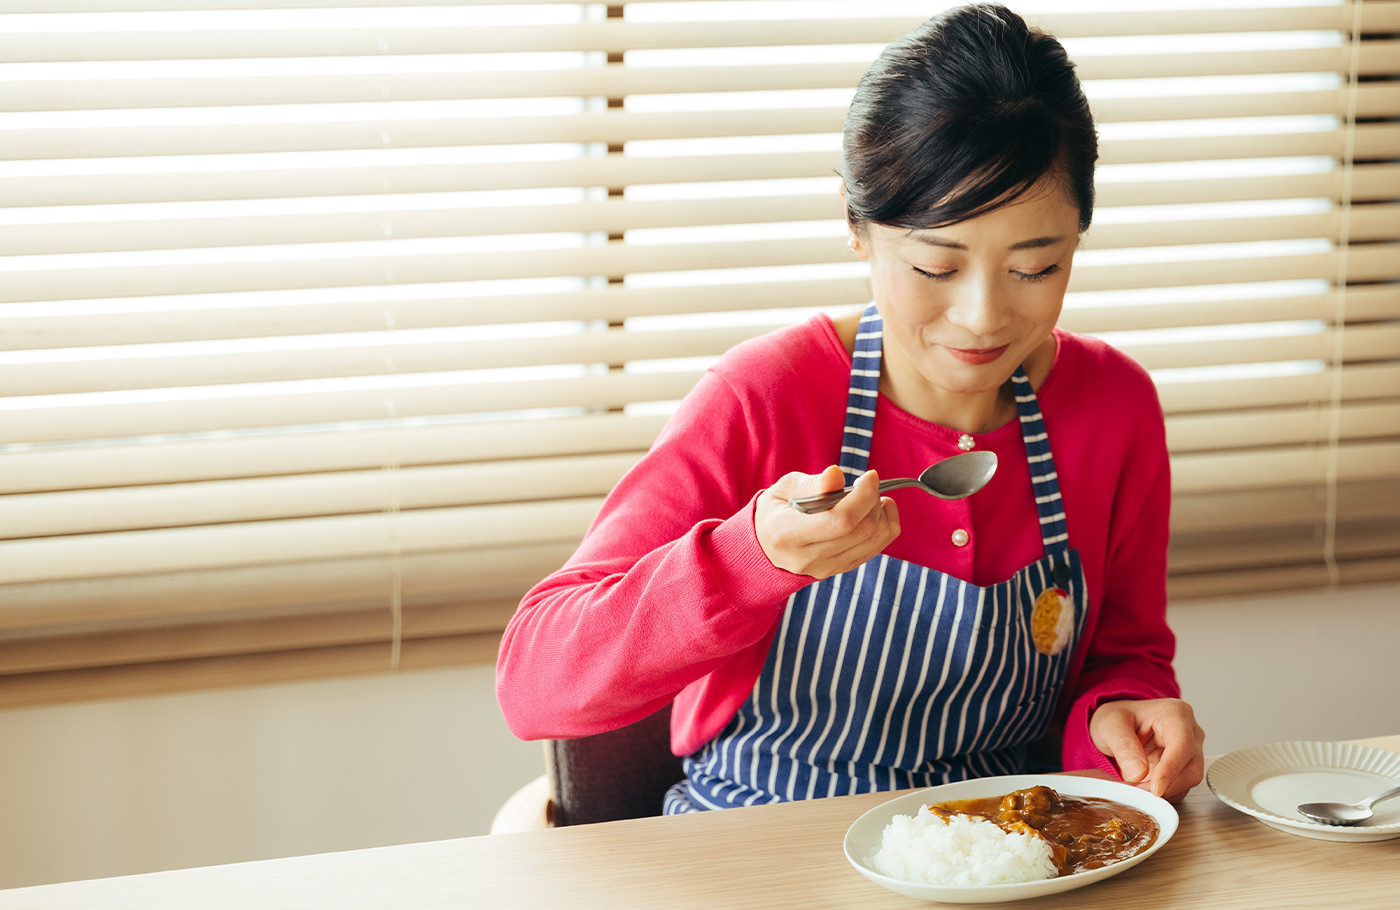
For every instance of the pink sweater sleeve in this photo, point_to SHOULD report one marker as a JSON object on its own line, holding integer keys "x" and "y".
{"x": 669, "y": 583}
{"x": 1130, "y": 649}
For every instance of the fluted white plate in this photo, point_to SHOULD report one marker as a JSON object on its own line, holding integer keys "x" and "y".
{"x": 863, "y": 837}
{"x": 1269, "y": 782}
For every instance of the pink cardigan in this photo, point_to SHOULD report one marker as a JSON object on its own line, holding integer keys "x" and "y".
{"x": 670, "y": 597}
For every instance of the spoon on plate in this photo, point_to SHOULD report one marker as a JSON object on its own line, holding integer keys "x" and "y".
{"x": 957, "y": 477}
{"x": 1344, "y": 813}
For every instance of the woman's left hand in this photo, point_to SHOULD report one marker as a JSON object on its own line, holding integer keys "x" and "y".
{"x": 1156, "y": 743}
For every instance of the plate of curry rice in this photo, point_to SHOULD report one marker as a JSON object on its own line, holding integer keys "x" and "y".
{"x": 1008, "y": 838}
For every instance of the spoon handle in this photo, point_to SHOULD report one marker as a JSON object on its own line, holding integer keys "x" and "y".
{"x": 824, "y": 501}
{"x": 821, "y": 503}
{"x": 1379, "y": 797}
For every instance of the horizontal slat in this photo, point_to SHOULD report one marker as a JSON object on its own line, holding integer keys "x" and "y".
{"x": 90, "y": 231}
{"x": 31, "y": 328}
{"x": 1246, "y": 510}
{"x": 404, "y": 353}
{"x": 369, "y": 83}
{"x": 149, "y": 321}
{"x": 242, "y": 408}
{"x": 21, "y": 236}
{"x": 36, "y": 43}
{"x": 1364, "y": 263}
{"x": 1280, "y": 427}
{"x": 1358, "y": 383}
{"x": 1363, "y": 223}
{"x": 1203, "y": 472}
{"x": 1281, "y": 546}
{"x": 373, "y": 131}
{"x": 1194, "y": 308}
{"x": 1372, "y": 141}
{"x": 341, "y": 493}
{"x": 1375, "y": 262}
{"x": 426, "y": 354}
{"x": 127, "y": 6}
{"x": 130, "y": 680}
{"x": 1184, "y": 586}
{"x": 93, "y": 6}
{"x": 122, "y": 184}
{"x": 1365, "y": 182}
{"x": 269, "y": 177}
{"x": 619, "y": 126}
{"x": 272, "y": 542}
{"x": 265, "y": 272}
{"x": 1360, "y": 343}
{"x": 366, "y": 84}
{"x": 258, "y": 635}
{"x": 480, "y": 579}
{"x": 157, "y": 322}
{"x": 271, "y": 272}
{"x": 135, "y": 463}
{"x": 1371, "y": 100}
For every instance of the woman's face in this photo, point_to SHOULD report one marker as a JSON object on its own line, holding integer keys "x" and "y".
{"x": 964, "y": 305}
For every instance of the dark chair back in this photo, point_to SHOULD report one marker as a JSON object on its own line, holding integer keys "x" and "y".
{"x": 610, "y": 776}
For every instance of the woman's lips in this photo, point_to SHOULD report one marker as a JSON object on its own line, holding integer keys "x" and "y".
{"x": 977, "y": 355}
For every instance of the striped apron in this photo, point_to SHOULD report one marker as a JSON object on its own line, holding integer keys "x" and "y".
{"x": 894, "y": 675}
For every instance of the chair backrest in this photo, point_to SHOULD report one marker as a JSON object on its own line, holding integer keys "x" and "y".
{"x": 610, "y": 776}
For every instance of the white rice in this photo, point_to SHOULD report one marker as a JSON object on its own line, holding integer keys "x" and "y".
{"x": 963, "y": 851}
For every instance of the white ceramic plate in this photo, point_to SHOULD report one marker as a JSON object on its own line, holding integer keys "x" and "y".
{"x": 1268, "y": 782}
{"x": 863, "y": 837}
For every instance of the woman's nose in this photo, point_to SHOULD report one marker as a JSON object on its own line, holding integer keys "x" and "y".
{"x": 976, "y": 307}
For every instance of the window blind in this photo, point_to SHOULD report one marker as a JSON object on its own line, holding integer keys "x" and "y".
{"x": 325, "y": 326}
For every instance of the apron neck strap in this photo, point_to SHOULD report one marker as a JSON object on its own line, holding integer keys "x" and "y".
{"x": 1045, "y": 481}
{"x": 863, "y": 394}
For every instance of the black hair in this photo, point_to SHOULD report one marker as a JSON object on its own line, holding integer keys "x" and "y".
{"x": 961, "y": 116}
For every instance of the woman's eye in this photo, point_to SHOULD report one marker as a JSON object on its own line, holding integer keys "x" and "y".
{"x": 1037, "y": 276}
{"x": 936, "y": 276}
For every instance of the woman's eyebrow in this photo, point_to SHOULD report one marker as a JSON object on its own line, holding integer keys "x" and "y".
{"x": 1034, "y": 243}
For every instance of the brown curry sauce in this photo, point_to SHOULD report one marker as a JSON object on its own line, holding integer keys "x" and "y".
{"x": 1083, "y": 832}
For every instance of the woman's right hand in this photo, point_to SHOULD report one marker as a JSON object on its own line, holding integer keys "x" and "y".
{"x": 822, "y": 544}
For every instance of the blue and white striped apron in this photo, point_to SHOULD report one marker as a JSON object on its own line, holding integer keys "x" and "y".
{"x": 894, "y": 675}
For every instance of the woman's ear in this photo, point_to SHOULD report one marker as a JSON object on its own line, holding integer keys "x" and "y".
{"x": 854, "y": 241}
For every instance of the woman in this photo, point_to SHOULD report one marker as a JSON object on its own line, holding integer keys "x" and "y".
{"x": 896, "y": 641}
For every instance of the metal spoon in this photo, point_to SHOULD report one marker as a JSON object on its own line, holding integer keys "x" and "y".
{"x": 952, "y": 478}
{"x": 1345, "y": 813}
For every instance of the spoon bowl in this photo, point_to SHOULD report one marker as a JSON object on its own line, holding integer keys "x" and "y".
{"x": 1344, "y": 813}
{"x": 957, "y": 477}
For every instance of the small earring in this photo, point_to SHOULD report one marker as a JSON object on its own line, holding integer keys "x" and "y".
{"x": 851, "y": 244}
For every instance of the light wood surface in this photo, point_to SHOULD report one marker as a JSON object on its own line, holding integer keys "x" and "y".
{"x": 786, "y": 856}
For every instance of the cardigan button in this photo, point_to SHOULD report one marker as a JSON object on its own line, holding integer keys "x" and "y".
{"x": 966, "y": 443}
{"x": 960, "y": 538}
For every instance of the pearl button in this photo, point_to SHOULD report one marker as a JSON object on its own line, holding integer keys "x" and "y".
{"x": 966, "y": 443}
{"x": 960, "y": 538}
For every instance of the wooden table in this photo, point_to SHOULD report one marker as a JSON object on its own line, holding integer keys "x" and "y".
{"x": 786, "y": 856}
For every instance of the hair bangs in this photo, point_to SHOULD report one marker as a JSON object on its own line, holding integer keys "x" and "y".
{"x": 997, "y": 163}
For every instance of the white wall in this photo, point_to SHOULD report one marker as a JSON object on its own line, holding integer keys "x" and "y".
{"x": 161, "y": 782}
{"x": 1305, "y": 665}
{"x": 134, "y": 785}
